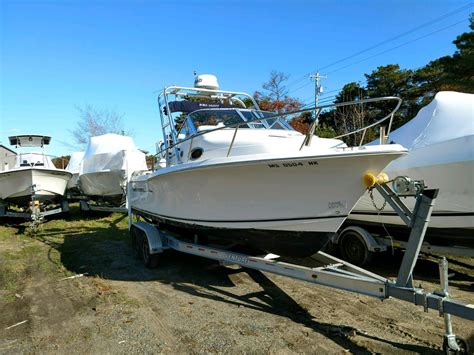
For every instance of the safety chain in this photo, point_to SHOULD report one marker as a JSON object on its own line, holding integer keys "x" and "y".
{"x": 379, "y": 209}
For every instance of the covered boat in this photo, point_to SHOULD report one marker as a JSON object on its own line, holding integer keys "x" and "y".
{"x": 74, "y": 167}
{"x": 107, "y": 165}
{"x": 441, "y": 143}
{"x": 236, "y": 174}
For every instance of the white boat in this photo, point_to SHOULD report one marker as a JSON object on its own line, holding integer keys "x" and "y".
{"x": 441, "y": 143}
{"x": 245, "y": 176}
{"x": 107, "y": 165}
{"x": 34, "y": 177}
{"x": 74, "y": 167}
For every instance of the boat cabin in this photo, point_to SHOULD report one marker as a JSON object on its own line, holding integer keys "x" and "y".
{"x": 195, "y": 113}
{"x": 31, "y": 159}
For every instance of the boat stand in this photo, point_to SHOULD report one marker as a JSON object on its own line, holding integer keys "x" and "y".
{"x": 150, "y": 242}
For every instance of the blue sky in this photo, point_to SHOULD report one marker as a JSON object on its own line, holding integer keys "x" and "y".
{"x": 57, "y": 55}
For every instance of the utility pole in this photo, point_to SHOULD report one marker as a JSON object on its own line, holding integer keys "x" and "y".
{"x": 318, "y": 89}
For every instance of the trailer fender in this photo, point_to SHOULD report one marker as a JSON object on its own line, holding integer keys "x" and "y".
{"x": 152, "y": 234}
{"x": 370, "y": 241}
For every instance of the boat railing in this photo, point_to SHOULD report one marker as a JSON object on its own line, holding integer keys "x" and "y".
{"x": 311, "y": 131}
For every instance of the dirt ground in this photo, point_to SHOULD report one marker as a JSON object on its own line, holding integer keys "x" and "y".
{"x": 193, "y": 305}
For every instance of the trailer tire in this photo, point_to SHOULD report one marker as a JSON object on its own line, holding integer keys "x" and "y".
{"x": 354, "y": 249}
{"x": 464, "y": 347}
{"x": 150, "y": 260}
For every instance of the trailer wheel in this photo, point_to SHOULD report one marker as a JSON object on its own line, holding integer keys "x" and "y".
{"x": 150, "y": 260}
{"x": 354, "y": 249}
{"x": 463, "y": 347}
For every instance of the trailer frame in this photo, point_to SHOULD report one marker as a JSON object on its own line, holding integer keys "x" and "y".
{"x": 150, "y": 241}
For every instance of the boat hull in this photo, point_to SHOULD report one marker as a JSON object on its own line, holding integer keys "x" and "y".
{"x": 104, "y": 185}
{"x": 287, "y": 206}
{"x": 16, "y": 185}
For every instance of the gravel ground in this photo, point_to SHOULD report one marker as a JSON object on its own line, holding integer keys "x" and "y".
{"x": 193, "y": 305}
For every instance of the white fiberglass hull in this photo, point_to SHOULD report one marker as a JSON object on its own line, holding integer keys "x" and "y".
{"x": 104, "y": 184}
{"x": 16, "y": 186}
{"x": 305, "y": 196}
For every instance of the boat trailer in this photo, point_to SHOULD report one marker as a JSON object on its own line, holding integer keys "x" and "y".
{"x": 149, "y": 242}
{"x": 35, "y": 212}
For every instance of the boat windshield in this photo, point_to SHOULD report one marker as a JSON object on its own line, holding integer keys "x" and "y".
{"x": 232, "y": 117}
{"x": 31, "y": 159}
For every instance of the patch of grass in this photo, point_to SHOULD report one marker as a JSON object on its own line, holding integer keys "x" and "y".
{"x": 65, "y": 246}
{"x": 12, "y": 271}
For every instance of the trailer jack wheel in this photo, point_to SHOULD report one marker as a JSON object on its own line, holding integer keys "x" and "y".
{"x": 354, "y": 249}
{"x": 150, "y": 260}
{"x": 462, "y": 344}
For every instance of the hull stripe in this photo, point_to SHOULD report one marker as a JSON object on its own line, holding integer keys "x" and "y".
{"x": 238, "y": 221}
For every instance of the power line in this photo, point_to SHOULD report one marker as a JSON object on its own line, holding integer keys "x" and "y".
{"x": 400, "y": 35}
{"x": 465, "y": 7}
{"x": 396, "y": 47}
{"x": 388, "y": 50}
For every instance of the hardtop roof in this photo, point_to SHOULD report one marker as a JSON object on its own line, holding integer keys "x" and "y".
{"x": 29, "y": 140}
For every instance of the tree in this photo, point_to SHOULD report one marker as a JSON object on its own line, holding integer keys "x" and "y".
{"x": 454, "y": 72}
{"x": 95, "y": 122}
{"x": 151, "y": 161}
{"x": 390, "y": 80}
{"x": 352, "y": 117}
{"x": 61, "y": 162}
{"x": 415, "y": 87}
{"x": 275, "y": 96}
{"x": 285, "y": 104}
{"x": 275, "y": 85}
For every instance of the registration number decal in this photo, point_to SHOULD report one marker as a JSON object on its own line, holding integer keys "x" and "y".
{"x": 293, "y": 164}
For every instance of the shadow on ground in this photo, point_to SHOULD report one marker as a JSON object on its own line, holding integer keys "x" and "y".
{"x": 105, "y": 251}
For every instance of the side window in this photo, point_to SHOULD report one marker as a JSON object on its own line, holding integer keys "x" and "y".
{"x": 184, "y": 131}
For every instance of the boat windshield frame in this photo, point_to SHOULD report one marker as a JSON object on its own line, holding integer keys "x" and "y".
{"x": 257, "y": 120}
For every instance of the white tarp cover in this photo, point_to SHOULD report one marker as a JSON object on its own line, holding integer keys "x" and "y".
{"x": 442, "y": 132}
{"x": 74, "y": 165}
{"x": 450, "y": 115}
{"x": 112, "y": 152}
{"x": 440, "y": 139}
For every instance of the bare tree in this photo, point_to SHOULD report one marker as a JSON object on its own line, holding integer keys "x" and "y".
{"x": 275, "y": 85}
{"x": 95, "y": 122}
